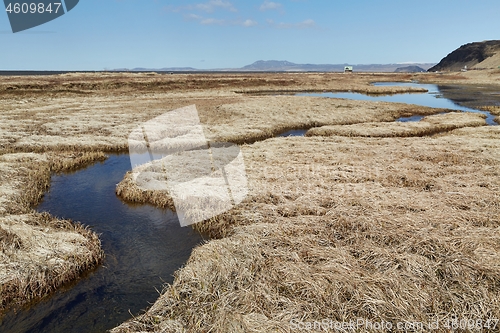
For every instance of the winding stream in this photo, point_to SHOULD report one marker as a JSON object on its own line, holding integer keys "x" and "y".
{"x": 144, "y": 246}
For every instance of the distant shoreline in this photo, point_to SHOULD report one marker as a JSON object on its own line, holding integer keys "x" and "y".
{"x": 164, "y": 72}
{"x": 45, "y": 73}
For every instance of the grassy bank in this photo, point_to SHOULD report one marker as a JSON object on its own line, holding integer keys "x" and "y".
{"x": 40, "y": 254}
{"x": 393, "y": 229}
{"x": 264, "y": 118}
{"x": 491, "y": 109}
{"x": 258, "y": 118}
{"x": 495, "y": 110}
{"x": 429, "y": 125}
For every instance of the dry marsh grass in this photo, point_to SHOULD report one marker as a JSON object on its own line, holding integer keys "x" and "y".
{"x": 9, "y": 240}
{"x": 75, "y": 85}
{"x": 102, "y": 123}
{"x": 128, "y": 190}
{"x": 326, "y": 111}
{"x": 429, "y": 125}
{"x": 386, "y": 229}
{"x": 495, "y": 110}
{"x": 394, "y": 229}
{"x": 259, "y": 118}
{"x": 73, "y": 160}
{"x": 40, "y": 253}
{"x": 24, "y": 178}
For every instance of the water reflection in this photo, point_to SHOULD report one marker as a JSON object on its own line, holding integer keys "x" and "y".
{"x": 300, "y": 132}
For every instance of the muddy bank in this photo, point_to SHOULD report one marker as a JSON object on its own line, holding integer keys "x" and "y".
{"x": 473, "y": 96}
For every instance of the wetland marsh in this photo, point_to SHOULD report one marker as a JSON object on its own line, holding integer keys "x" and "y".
{"x": 357, "y": 220}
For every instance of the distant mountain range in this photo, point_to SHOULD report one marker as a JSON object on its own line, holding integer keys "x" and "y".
{"x": 478, "y": 55}
{"x": 286, "y": 66}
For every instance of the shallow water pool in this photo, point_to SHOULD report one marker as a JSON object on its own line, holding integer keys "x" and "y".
{"x": 298, "y": 132}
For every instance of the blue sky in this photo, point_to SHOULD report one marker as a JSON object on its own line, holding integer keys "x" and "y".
{"x": 106, "y": 34}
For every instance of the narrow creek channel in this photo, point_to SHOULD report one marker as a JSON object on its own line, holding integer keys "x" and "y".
{"x": 144, "y": 246}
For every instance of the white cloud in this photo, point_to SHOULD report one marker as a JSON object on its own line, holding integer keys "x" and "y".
{"x": 192, "y": 13}
{"x": 249, "y": 23}
{"x": 222, "y": 22}
{"x": 208, "y": 7}
{"x": 192, "y": 16}
{"x": 269, "y": 5}
{"x": 212, "y": 21}
{"x": 211, "y": 5}
{"x": 307, "y": 24}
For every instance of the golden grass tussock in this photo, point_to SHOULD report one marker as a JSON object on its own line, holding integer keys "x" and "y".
{"x": 73, "y": 160}
{"x": 40, "y": 253}
{"x": 9, "y": 240}
{"x": 128, "y": 190}
{"x": 427, "y": 126}
{"x": 383, "y": 229}
{"x": 24, "y": 178}
{"x": 495, "y": 110}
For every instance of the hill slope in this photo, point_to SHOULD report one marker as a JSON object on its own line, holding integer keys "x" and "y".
{"x": 473, "y": 55}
